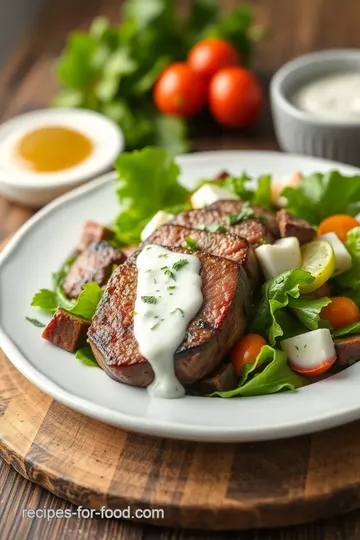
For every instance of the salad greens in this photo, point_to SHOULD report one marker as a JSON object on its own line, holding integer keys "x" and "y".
{"x": 112, "y": 69}
{"x": 86, "y": 356}
{"x": 351, "y": 278}
{"x": 254, "y": 192}
{"x": 275, "y": 376}
{"x": 321, "y": 195}
{"x": 283, "y": 292}
{"x": 148, "y": 180}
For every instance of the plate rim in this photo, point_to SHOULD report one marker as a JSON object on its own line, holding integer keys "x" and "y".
{"x": 157, "y": 427}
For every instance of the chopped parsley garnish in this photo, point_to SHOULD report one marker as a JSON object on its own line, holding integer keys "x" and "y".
{"x": 155, "y": 326}
{"x": 212, "y": 227}
{"x": 163, "y": 256}
{"x": 190, "y": 243}
{"x": 149, "y": 299}
{"x": 179, "y": 310}
{"x": 168, "y": 272}
{"x": 133, "y": 313}
{"x": 180, "y": 264}
{"x": 171, "y": 287}
{"x": 35, "y": 322}
{"x": 246, "y": 213}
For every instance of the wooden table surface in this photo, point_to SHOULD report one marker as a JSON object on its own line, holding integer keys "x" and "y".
{"x": 27, "y": 82}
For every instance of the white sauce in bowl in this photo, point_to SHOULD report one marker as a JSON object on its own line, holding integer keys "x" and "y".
{"x": 168, "y": 298}
{"x": 334, "y": 97}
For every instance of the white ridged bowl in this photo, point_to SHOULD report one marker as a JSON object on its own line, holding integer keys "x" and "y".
{"x": 300, "y": 132}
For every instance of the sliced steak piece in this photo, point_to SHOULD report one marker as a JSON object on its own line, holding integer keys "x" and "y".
{"x": 93, "y": 232}
{"x": 253, "y": 231}
{"x": 321, "y": 292}
{"x": 290, "y": 225}
{"x": 222, "y": 378}
{"x": 222, "y": 245}
{"x": 347, "y": 350}
{"x": 66, "y": 330}
{"x": 216, "y": 328}
{"x": 221, "y": 175}
{"x": 235, "y": 207}
{"x": 95, "y": 263}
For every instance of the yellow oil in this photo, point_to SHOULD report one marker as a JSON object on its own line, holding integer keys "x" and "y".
{"x": 52, "y": 149}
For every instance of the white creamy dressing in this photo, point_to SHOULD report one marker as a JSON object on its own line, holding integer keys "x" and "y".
{"x": 168, "y": 298}
{"x": 335, "y": 97}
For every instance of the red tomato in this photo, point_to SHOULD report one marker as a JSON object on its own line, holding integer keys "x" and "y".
{"x": 315, "y": 371}
{"x": 340, "y": 224}
{"x": 235, "y": 97}
{"x": 246, "y": 351}
{"x": 341, "y": 312}
{"x": 210, "y": 55}
{"x": 180, "y": 91}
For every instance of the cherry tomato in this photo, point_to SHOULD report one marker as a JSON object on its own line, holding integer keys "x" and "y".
{"x": 210, "y": 55}
{"x": 235, "y": 97}
{"x": 341, "y": 312}
{"x": 339, "y": 224}
{"x": 180, "y": 91}
{"x": 246, "y": 351}
{"x": 318, "y": 370}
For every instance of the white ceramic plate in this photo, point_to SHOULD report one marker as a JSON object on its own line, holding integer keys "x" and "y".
{"x": 42, "y": 245}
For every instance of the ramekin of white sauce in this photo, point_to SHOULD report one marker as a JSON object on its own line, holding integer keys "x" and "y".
{"x": 315, "y": 103}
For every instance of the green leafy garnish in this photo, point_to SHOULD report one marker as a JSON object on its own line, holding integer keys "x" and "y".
{"x": 177, "y": 310}
{"x": 168, "y": 272}
{"x": 86, "y": 356}
{"x": 140, "y": 173}
{"x": 36, "y": 322}
{"x": 275, "y": 376}
{"x": 283, "y": 292}
{"x": 348, "y": 330}
{"x": 246, "y": 213}
{"x": 255, "y": 192}
{"x": 112, "y": 68}
{"x": 171, "y": 287}
{"x": 190, "y": 243}
{"x": 178, "y": 265}
{"x": 351, "y": 278}
{"x": 149, "y": 299}
{"x": 211, "y": 227}
{"x": 321, "y": 195}
{"x": 87, "y": 301}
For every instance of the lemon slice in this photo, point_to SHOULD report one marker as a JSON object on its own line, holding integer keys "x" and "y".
{"x": 318, "y": 258}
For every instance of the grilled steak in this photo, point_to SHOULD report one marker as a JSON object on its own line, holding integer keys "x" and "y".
{"x": 95, "y": 263}
{"x": 222, "y": 378}
{"x": 93, "y": 232}
{"x": 222, "y": 245}
{"x": 235, "y": 207}
{"x": 253, "y": 231}
{"x": 347, "y": 350}
{"x": 66, "y": 330}
{"x": 216, "y": 328}
{"x": 290, "y": 225}
{"x": 129, "y": 250}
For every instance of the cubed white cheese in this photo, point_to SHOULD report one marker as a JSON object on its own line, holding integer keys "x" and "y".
{"x": 159, "y": 219}
{"x": 278, "y": 257}
{"x": 208, "y": 194}
{"x": 342, "y": 256}
{"x": 309, "y": 351}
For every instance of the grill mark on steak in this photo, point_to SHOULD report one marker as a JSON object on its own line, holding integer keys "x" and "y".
{"x": 220, "y": 244}
{"x": 94, "y": 264}
{"x": 235, "y": 207}
{"x": 210, "y": 335}
{"x": 252, "y": 230}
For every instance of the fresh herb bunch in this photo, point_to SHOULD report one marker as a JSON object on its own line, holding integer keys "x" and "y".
{"x": 112, "y": 69}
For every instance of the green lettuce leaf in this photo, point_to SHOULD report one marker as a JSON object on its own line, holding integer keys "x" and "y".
{"x": 147, "y": 182}
{"x": 283, "y": 292}
{"x": 351, "y": 278}
{"x": 321, "y": 195}
{"x": 348, "y": 330}
{"x": 276, "y": 376}
{"x": 87, "y": 301}
{"x": 86, "y": 356}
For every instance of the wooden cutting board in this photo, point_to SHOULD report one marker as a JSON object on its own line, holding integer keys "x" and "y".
{"x": 198, "y": 485}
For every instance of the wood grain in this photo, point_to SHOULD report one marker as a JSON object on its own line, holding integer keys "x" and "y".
{"x": 237, "y": 486}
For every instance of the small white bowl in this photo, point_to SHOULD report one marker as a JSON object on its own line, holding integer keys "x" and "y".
{"x": 301, "y": 132}
{"x": 35, "y": 189}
